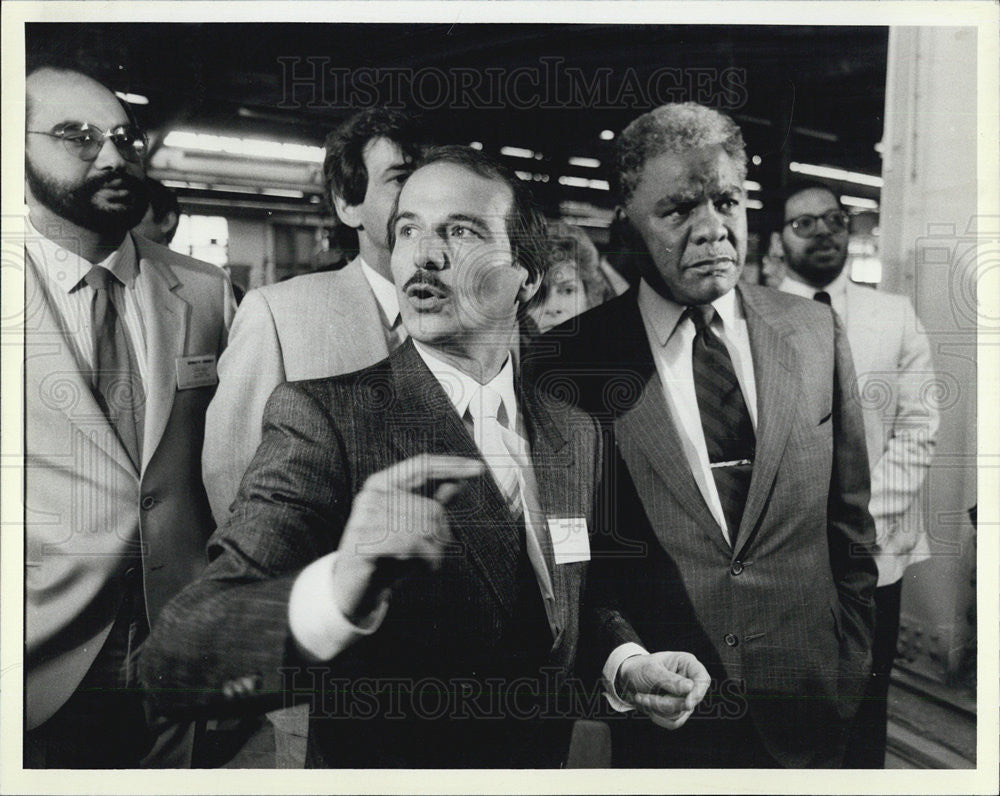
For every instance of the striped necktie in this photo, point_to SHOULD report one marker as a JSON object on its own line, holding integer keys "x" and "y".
{"x": 117, "y": 384}
{"x": 725, "y": 419}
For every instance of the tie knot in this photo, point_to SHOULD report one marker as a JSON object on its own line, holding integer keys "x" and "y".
{"x": 100, "y": 278}
{"x": 491, "y": 405}
{"x": 822, "y": 297}
{"x": 701, "y": 316}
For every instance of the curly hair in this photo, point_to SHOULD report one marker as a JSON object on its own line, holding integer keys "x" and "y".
{"x": 674, "y": 127}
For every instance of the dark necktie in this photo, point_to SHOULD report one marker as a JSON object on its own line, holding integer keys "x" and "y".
{"x": 729, "y": 434}
{"x": 822, "y": 297}
{"x": 117, "y": 384}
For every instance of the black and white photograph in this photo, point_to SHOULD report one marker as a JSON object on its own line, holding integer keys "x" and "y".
{"x": 459, "y": 395}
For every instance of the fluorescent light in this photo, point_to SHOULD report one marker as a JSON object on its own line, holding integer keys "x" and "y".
{"x": 530, "y": 176}
{"x": 859, "y": 201}
{"x": 587, "y": 163}
{"x": 132, "y": 99}
{"x": 755, "y": 204}
{"x": 475, "y": 144}
{"x": 607, "y": 135}
{"x": 284, "y": 192}
{"x": 516, "y": 152}
{"x": 582, "y": 182}
{"x": 751, "y": 185}
{"x": 596, "y": 223}
{"x": 831, "y": 173}
{"x": 243, "y": 147}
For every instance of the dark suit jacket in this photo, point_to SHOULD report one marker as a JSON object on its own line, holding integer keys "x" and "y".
{"x": 789, "y": 611}
{"x": 451, "y": 678}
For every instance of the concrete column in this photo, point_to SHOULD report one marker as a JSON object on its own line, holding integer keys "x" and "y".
{"x": 932, "y": 243}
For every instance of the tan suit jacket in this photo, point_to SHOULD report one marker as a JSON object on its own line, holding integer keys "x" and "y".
{"x": 897, "y": 385}
{"x": 86, "y": 505}
{"x": 310, "y": 327}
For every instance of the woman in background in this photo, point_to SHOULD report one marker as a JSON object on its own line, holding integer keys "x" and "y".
{"x": 574, "y": 282}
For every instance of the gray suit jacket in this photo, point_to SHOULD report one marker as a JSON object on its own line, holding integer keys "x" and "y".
{"x": 787, "y": 615}
{"x": 309, "y": 327}
{"x": 86, "y": 504}
{"x": 468, "y": 630}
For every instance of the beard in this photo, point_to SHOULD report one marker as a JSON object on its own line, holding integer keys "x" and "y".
{"x": 77, "y": 204}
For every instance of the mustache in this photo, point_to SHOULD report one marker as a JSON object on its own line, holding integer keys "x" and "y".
{"x": 427, "y": 278}
{"x": 128, "y": 181}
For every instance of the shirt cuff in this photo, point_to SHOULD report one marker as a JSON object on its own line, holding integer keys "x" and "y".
{"x": 319, "y": 628}
{"x": 610, "y": 672}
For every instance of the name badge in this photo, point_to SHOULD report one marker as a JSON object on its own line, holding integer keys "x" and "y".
{"x": 570, "y": 542}
{"x": 197, "y": 371}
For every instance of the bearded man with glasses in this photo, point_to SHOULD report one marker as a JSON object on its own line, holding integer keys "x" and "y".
{"x": 121, "y": 338}
{"x": 892, "y": 357}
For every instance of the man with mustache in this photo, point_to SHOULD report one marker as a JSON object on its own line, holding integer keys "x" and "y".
{"x": 408, "y": 548}
{"x": 121, "y": 336}
{"x": 743, "y": 483}
{"x": 892, "y": 357}
{"x": 316, "y": 325}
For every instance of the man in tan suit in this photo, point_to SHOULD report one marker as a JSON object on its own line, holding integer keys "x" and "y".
{"x": 892, "y": 357}
{"x": 121, "y": 337}
{"x": 322, "y": 324}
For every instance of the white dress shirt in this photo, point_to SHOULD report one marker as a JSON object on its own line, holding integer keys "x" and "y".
{"x": 325, "y": 634}
{"x": 62, "y": 273}
{"x": 388, "y": 304}
{"x": 837, "y": 290}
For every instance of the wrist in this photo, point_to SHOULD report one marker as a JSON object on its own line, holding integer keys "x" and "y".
{"x": 354, "y": 593}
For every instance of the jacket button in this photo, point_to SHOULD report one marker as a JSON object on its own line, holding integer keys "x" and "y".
{"x": 731, "y": 640}
{"x": 148, "y": 502}
{"x": 737, "y": 567}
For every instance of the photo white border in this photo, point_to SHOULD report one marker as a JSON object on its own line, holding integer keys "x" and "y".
{"x": 982, "y": 15}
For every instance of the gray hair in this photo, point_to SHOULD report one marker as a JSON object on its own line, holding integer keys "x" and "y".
{"x": 674, "y": 127}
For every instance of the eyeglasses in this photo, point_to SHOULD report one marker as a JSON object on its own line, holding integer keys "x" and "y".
{"x": 85, "y": 141}
{"x": 805, "y": 225}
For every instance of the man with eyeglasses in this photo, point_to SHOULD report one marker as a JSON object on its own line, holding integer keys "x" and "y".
{"x": 121, "y": 338}
{"x": 892, "y": 358}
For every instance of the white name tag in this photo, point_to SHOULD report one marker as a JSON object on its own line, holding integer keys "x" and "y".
{"x": 197, "y": 371}
{"x": 570, "y": 542}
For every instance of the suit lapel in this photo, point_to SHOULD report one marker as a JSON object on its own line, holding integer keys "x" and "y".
{"x": 777, "y": 388}
{"x": 648, "y": 429}
{"x": 423, "y": 420}
{"x": 51, "y": 368}
{"x": 367, "y": 339}
{"x": 558, "y": 466}
{"x": 166, "y": 329}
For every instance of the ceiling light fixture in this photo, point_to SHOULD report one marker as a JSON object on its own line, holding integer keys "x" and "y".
{"x": 832, "y": 173}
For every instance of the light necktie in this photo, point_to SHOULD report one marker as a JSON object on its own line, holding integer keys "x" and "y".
{"x": 489, "y": 423}
{"x": 729, "y": 434}
{"x": 822, "y": 297}
{"x": 117, "y": 384}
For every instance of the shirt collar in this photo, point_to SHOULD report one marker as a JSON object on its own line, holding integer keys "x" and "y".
{"x": 462, "y": 388}
{"x": 384, "y": 290}
{"x": 64, "y": 269}
{"x": 663, "y": 314}
{"x": 836, "y": 289}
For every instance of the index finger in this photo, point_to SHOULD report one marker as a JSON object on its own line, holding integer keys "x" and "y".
{"x": 414, "y": 473}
